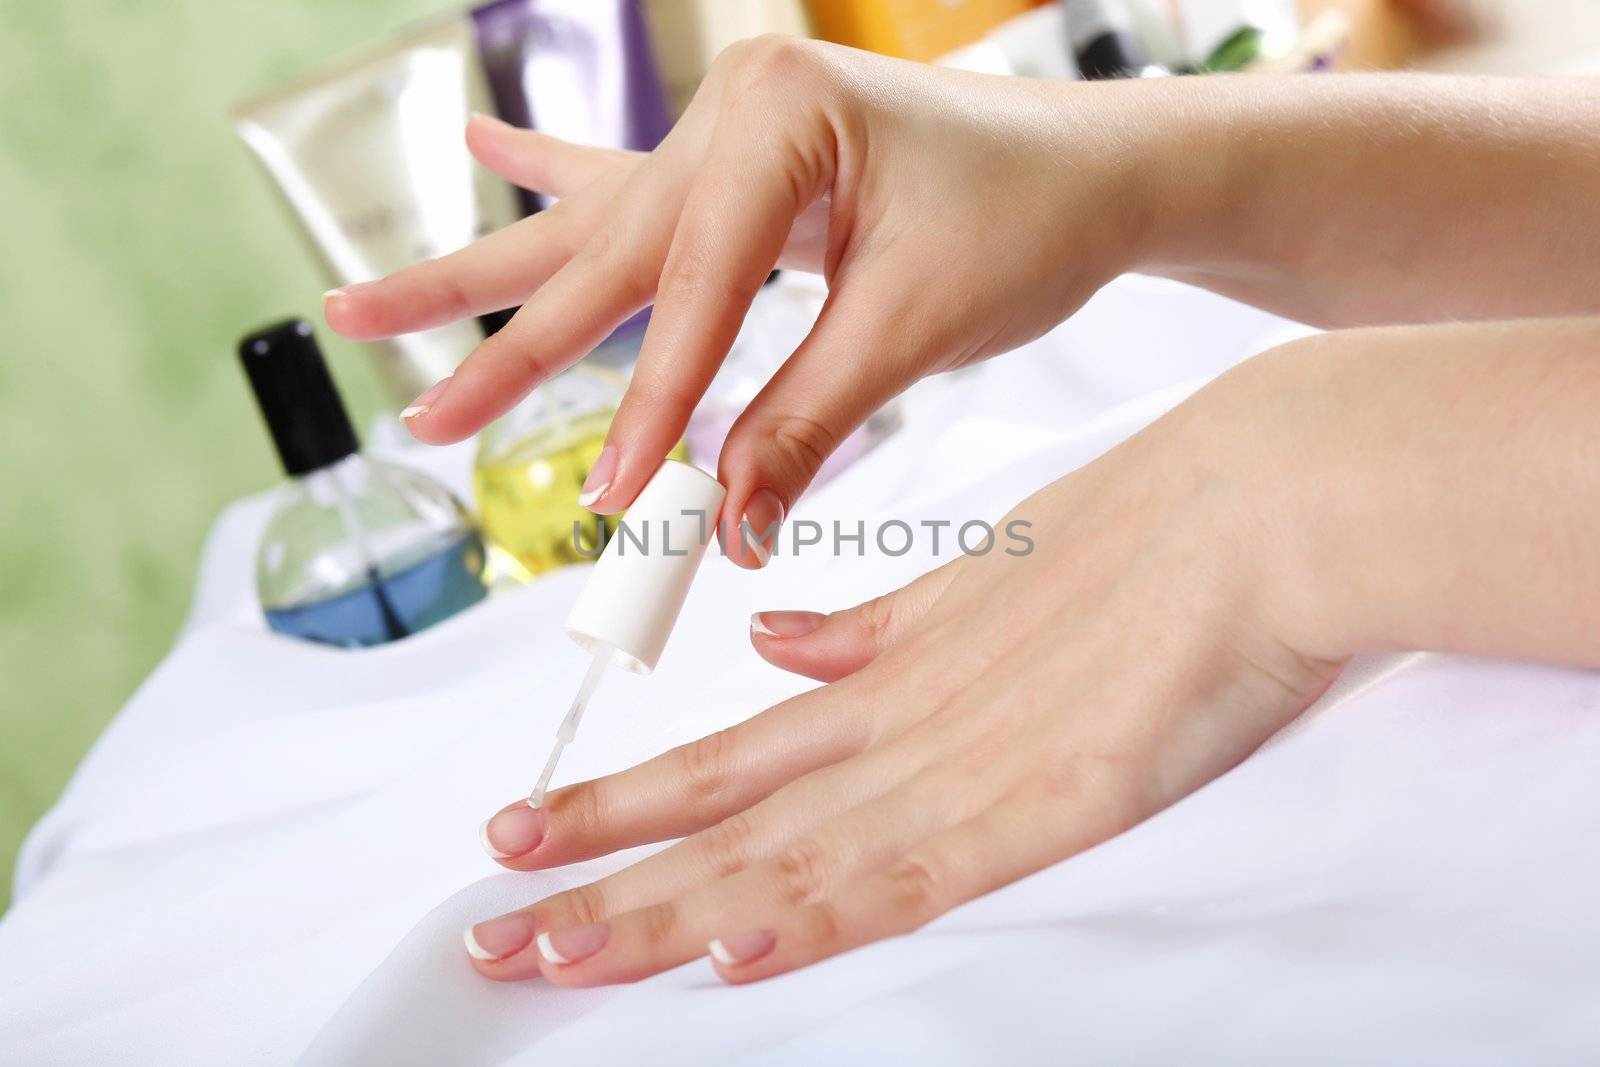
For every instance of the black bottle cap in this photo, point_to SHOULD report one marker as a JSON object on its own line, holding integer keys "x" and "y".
{"x": 297, "y": 396}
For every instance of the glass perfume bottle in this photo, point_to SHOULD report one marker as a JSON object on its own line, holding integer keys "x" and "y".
{"x": 358, "y": 552}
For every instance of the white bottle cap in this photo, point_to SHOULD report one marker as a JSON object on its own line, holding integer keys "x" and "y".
{"x": 641, "y": 579}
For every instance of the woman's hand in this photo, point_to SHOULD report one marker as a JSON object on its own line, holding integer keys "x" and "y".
{"x": 998, "y": 715}
{"x": 954, "y": 215}
{"x": 957, "y": 215}
{"x": 1189, "y": 593}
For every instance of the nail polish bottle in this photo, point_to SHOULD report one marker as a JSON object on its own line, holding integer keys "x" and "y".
{"x": 358, "y": 552}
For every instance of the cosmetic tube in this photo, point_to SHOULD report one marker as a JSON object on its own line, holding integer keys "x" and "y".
{"x": 369, "y": 156}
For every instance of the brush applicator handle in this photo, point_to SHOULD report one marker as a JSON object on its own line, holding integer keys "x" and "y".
{"x": 640, "y": 581}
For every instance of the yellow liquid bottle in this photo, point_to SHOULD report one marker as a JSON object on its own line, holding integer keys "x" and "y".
{"x": 531, "y": 467}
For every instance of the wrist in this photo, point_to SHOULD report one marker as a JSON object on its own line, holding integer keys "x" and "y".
{"x": 1421, "y": 488}
{"x": 1222, "y": 177}
{"x": 1282, "y": 431}
{"x": 1129, "y": 182}
{"x": 1187, "y": 175}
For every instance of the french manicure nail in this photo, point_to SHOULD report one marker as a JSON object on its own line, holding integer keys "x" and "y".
{"x": 488, "y": 846}
{"x": 429, "y": 396}
{"x": 785, "y": 623}
{"x": 514, "y": 832}
{"x": 742, "y": 948}
{"x": 346, "y": 290}
{"x": 562, "y": 947}
{"x": 758, "y": 529}
{"x": 495, "y": 939}
{"x": 600, "y": 476}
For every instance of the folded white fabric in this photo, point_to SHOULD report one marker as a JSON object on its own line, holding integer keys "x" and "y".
{"x": 272, "y": 851}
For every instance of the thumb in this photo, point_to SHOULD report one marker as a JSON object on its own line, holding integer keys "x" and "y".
{"x": 828, "y": 647}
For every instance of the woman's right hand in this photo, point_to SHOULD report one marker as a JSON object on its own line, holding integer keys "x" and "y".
{"x": 954, "y": 215}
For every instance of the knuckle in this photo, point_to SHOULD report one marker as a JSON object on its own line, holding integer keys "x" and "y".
{"x": 579, "y": 810}
{"x": 802, "y": 443}
{"x": 733, "y": 55}
{"x": 707, "y": 777}
{"x": 447, "y": 286}
{"x": 566, "y": 241}
{"x": 658, "y": 923}
{"x": 1090, "y": 786}
{"x": 772, "y": 61}
{"x": 880, "y": 618}
{"x": 821, "y": 925}
{"x": 693, "y": 275}
{"x": 914, "y": 888}
{"x": 658, "y": 391}
{"x": 801, "y": 872}
{"x": 509, "y": 348}
{"x": 604, "y": 243}
{"x": 726, "y": 846}
{"x": 578, "y": 906}
{"x": 534, "y": 368}
{"x": 613, "y": 253}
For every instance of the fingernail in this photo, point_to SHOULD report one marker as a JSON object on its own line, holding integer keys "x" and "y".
{"x": 346, "y": 290}
{"x": 562, "y": 947}
{"x": 488, "y": 846}
{"x": 600, "y": 475}
{"x": 742, "y": 948}
{"x": 785, "y": 623}
{"x": 514, "y": 832}
{"x": 758, "y": 529}
{"x": 495, "y": 939}
{"x": 426, "y": 400}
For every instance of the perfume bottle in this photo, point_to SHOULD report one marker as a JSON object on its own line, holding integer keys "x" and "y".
{"x": 359, "y": 552}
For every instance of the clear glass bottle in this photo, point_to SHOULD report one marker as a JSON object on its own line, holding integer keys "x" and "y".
{"x": 532, "y": 462}
{"x": 530, "y": 468}
{"x": 358, "y": 552}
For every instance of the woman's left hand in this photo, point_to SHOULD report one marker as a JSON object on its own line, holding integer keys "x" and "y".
{"x": 997, "y": 715}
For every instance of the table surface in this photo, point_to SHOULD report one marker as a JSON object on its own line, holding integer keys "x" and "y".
{"x": 274, "y": 850}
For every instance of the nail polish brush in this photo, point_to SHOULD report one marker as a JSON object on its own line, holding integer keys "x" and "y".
{"x": 633, "y": 596}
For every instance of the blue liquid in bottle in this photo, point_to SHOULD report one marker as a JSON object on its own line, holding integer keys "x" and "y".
{"x": 357, "y": 551}
{"x": 388, "y": 607}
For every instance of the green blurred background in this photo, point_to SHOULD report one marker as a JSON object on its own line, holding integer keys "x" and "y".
{"x": 140, "y": 242}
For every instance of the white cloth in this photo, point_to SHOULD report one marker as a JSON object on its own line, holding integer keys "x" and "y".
{"x": 271, "y": 852}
